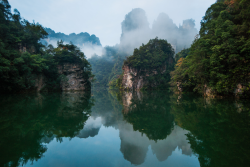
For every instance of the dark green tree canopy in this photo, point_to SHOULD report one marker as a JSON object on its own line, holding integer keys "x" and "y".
{"x": 152, "y": 56}
{"x": 219, "y": 57}
{"x": 23, "y": 57}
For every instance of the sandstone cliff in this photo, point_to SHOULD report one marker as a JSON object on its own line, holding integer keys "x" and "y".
{"x": 75, "y": 78}
{"x": 134, "y": 79}
{"x": 130, "y": 78}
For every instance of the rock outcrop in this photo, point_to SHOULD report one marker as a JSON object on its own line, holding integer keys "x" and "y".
{"x": 130, "y": 78}
{"x": 75, "y": 79}
{"x": 40, "y": 82}
{"x": 134, "y": 79}
{"x": 209, "y": 92}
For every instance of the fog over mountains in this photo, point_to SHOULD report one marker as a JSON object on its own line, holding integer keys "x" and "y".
{"x": 135, "y": 31}
{"x": 107, "y": 61}
{"x": 89, "y": 44}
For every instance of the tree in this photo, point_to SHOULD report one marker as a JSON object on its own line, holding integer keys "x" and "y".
{"x": 219, "y": 58}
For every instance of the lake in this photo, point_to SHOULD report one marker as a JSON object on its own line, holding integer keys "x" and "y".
{"x": 109, "y": 128}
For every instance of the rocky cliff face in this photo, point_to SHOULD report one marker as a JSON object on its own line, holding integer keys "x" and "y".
{"x": 134, "y": 79}
{"x": 75, "y": 79}
{"x": 130, "y": 78}
{"x": 209, "y": 92}
{"x": 40, "y": 82}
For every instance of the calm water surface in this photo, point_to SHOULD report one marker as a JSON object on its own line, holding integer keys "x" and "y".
{"x": 115, "y": 129}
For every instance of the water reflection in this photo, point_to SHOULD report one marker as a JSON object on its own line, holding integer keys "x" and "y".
{"x": 150, "y": 123}
{"x": 174, "y": 130}
{"x": 91, "y": 128}
{"x": 219, "y": 129}
{"x": 31, "y": 120}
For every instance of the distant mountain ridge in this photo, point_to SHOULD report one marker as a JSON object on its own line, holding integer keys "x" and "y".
{"x": 77, "y": 39}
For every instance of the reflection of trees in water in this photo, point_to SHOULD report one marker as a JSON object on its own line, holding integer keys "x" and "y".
{"x": 219, "y": 129}
{"x": 134, "y": 145}
{"x": 149, "y": 113}
{"x": 142, "y": 119}
{"x": 28, "y": 120}
{"x": 107, "y": 107}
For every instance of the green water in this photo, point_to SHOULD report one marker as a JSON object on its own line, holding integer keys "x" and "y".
{"x": 115, "y": 129}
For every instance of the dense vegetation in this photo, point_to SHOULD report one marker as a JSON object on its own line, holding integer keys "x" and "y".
{"x": 23, "y": 58}
{"x": 151, "y": 56}
{"x": 153, "y": 61}
{"x": 219, "y": 57}
{"x": 108, "y": 67}
{"x": 182, "y": 54}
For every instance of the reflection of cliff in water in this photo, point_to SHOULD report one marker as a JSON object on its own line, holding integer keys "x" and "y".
{"x": 91, "y": 128}
{"x": 145, "y": 119}
{"x": 134, "y": 145}
{"x": 28, "y": 121}
{"x": 177, "y": 139}
{"x": 149, "y": 113}
{"x": 217, "y": 131}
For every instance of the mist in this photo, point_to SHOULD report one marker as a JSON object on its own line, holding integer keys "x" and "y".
{"x": 136, "y": 31}
{"x": 89, "y": 49}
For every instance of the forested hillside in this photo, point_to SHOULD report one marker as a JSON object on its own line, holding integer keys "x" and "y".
{"x": 23, "y": 58}
{"x": 107, "y": 67}
{"x": 218, "y": 60}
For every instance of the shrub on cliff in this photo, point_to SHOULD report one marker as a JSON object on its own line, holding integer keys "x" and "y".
{"x": 220, "y": 57}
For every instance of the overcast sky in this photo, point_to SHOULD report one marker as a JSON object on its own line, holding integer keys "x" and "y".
{"x": 103, "y": 17}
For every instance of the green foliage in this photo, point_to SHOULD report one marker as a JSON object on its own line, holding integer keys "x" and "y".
{"x": 108, "y": 67}
{"x": 116, "y": 83}
{"x": 220, "y": 57}
{"x": 153, "y": 62}
{"x": 149, "y": 114}
{"x": 182, "y": 54}
{"x": 23, "y": 58}
{"x": 151, "y": 56}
